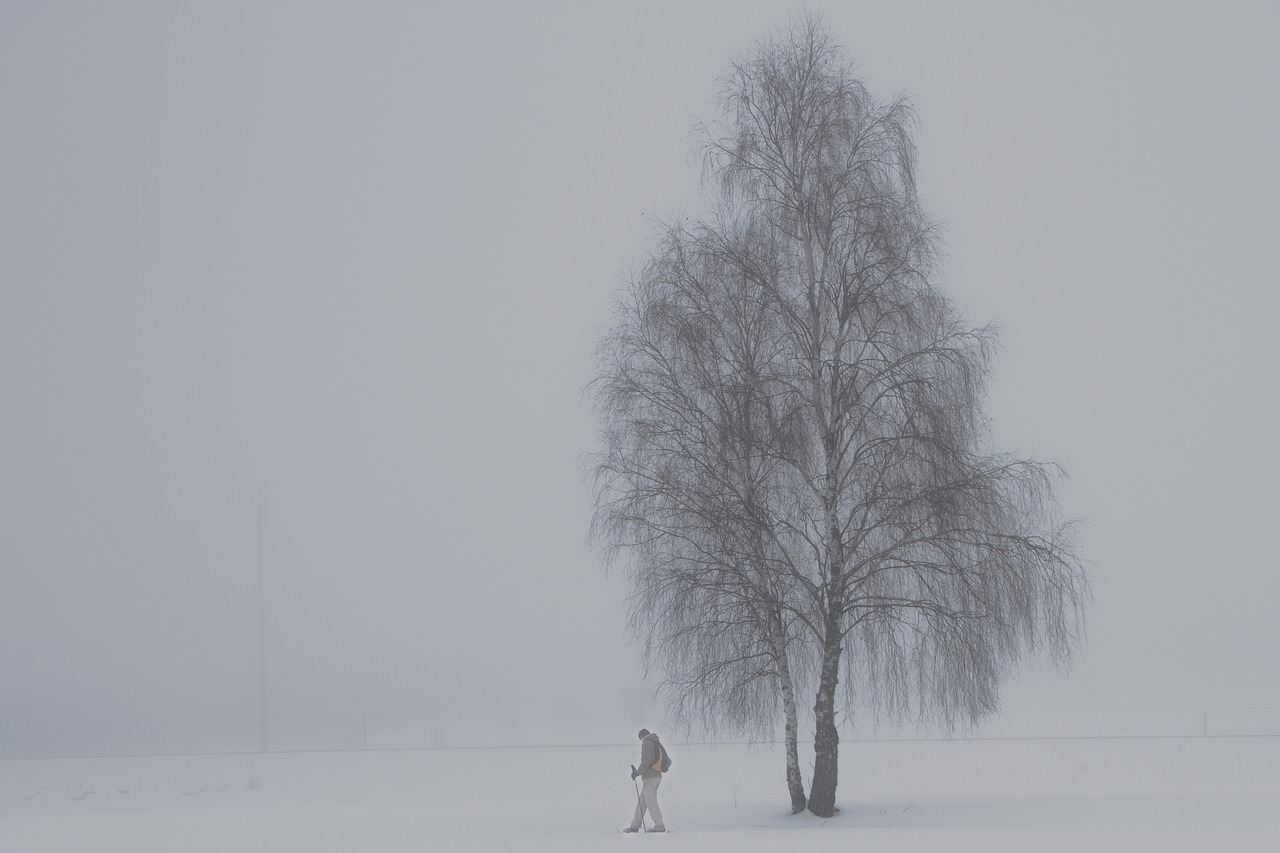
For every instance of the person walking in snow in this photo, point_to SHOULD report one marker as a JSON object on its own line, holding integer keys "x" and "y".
{"x": 654, "y": 761}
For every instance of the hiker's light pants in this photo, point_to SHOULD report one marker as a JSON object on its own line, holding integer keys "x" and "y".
{"x": 648, "y": 799}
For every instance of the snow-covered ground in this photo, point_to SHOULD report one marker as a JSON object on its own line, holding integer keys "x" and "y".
{"x": 1131, "y": 794}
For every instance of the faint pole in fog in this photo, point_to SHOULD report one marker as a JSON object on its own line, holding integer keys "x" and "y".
{"x": 262, "y": 632}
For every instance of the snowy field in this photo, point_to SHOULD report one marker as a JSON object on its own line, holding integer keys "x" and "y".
{"x": 1134, "y": 794}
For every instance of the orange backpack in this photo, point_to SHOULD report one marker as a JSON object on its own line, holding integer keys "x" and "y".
{"x": 663, "y": 764}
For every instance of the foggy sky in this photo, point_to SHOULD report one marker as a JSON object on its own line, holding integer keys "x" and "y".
{"x": 323, "y": 280}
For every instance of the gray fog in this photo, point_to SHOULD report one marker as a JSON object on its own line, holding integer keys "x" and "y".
{"x": 307, "y": 293}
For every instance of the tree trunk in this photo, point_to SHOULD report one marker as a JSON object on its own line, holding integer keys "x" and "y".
{"x": 826, "y": 737}
{"x": 795, "y": 782}
{"x": 826, "y": 744}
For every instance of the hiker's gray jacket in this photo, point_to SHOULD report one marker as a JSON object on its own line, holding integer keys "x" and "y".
{"x": 650, "y": 753}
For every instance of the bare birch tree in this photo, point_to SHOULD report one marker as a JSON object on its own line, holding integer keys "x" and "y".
{"x": 796, "y": 453}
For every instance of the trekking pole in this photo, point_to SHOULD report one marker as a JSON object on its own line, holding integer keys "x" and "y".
{"x": 643, "y": 827}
